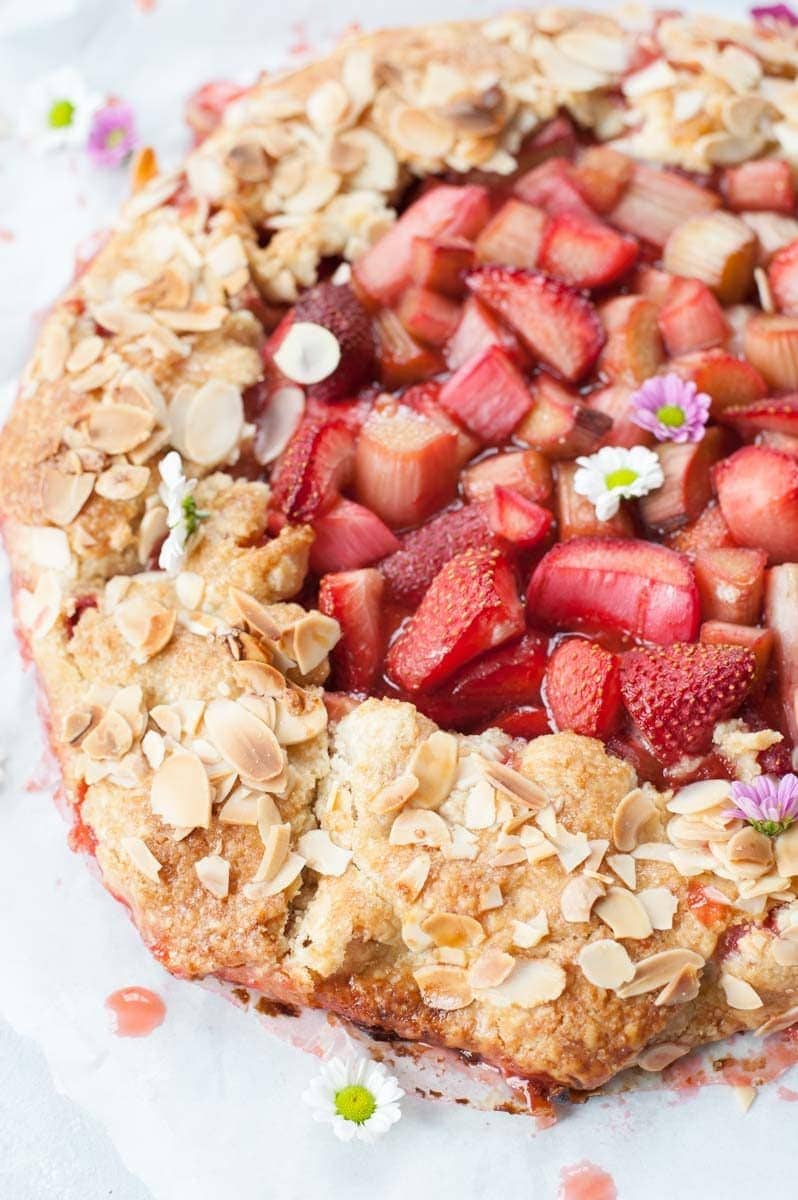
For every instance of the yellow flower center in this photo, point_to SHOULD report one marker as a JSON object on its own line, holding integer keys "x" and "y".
{"x": 671, "y": 415}
{"x": 620, "y": 478}
{"x": 60, "y": 114}
{"x": 355, "y": 1103}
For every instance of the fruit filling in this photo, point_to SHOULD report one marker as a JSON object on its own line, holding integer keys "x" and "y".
{"x": 546, "y": 433}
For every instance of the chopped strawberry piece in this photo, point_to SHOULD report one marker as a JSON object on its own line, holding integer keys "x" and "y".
{"x": 470, "y": 607}
{"x": 526, "y": 471}
{"x": 728, "y": 380}
{"x": 424, "y": 551}
{"x": 783, "y": 279}
{"x": 717, "y": 248}
{"x": 402, "y": 360}
{"x": 442, "y": 212}
{"x": 441, "y": 264}
{"x": 655, "y": 202}
{"x": 405, "y": 466}
{"x": 513, "y": 236}
{"x": 583, "y": 688}
{"x": 517, "y": 519}
{"x": 480, "y": 330}
{"x": 428, "y": 316}
{"x": 488, "y": 394}
{"x": 584, "y": 252}
{"x": 687, "y": 488}
{"x": 602, "y": 175}
{"x": 557, "y": 323}
{"x": 315, "y": 465}
{"x": 691, "y": 319}
{"x": 337, "y": 308}
{"x": 754, "y": 638}
{"x": 771, "y": 345}
{"x": 731, "y": 584}
{"x": 779, "y": 415}
{"x": 758, "y": 495}
{"x": 677, "y": 694}
{"x": 528, "y": 721}
{"x": 354, "y": 599}
{"x": 349, "y": 536}
{"x": 781, "y": 615}
{"x": 708, "y": 532}
{"x": 507, "y": 676}
{"x": 205, "y": 106}
{"x": 576, "y": 515}
{"x": 552, "y": 187}
{"x": 636, "y": 587}
{"x": 615, "y": 401}
{"x": 762, "y": 185}
{"x": 423, "y": 398}
{"x": 633, "y": 351}
{"x": 558, "y": 424}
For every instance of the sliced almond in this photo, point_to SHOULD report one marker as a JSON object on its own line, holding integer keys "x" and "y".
{"x": 394, "y": 795}
{"x": 657, "y": 1058}
{"x": 631, "y": 816}
{"x": 278, "y": 423}
{"x": 295, "y": 727}
{"x": 739, "y": 994}
{"x": 683, "y": 988}
{"x": 213, "y": 872}
{"x": 63, "y": 496}
{"x": 420, "y": 134}
{"x": 532, "y": 982}
{"x": 410, "y": 882}
{"x": 453, "y": 929}
{"x": 288, "y": 873}
{"x": 490, "y": 898}
{"x": 444, "y": 987}
{"x": 528, "y": 934}
{"x": 606, "y": 964}
{"x": 117, "y": 428}
{"x": 144, "y": 624}
{"x": 153, "y": 748}
{"x": 181, "y": 793}
{"x": 699, "y": 797}
{"x": 434, "y": 765}
{"x": 750, "y": 846}
{"x": 786, "y": 850}
{"x": 419, "y": 827}
{"x": 660, "y": 904}
{"x": 275, "y": 852}
{"x": 141, "y": 856}
{"x": 656, "y": 970}
{"x": 241, "y": 808}
{"x": 624, "y": 867}
{"x": 40, "y": 609}
{"x": 76, "y": 722}
{"x": 48, "y": 547}
{"x": 189, "y": 589}
{"x": 491, "y": 968}
{"x": 578, "y": 897}
{"x": 625, "y": 915}
{"x": 268, "y": 814}
{"x": 308, "y": 353}
{"x": 214, "y": 420}
{"x": 111, "y": 737}
{"x": 260, "y": 678}
{"x": 152, "y": 530}
{"x": 312, "y": 639}
{"x": 321, "y": 853}
{"x": 122, "y": 482}
{"x": 785, "y": 951}
{"x": 480, "y": 806}
{"x": 248, "y": 744}
{"x": 779, "y": 1023}
{"x": 515, "y": 785}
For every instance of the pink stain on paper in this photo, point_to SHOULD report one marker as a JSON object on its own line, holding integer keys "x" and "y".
{"x": 135, "y": 1011}
{"x": 585, "y": 1181}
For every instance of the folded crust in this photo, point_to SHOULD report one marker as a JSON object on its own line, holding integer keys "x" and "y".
{"x": 188, "y": 712}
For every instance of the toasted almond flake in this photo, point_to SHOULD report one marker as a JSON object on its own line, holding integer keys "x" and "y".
{"x": 87, "y": 351}
{"x": 631, "y": 816}
{"x": 48, "y": 547}
{"x": 578, "y": 897}
{"x": 254, "y": 614}
{"x": 141, "y": 856}
{"x": 490, "y": 898}
{"x": 625, "y": 868}
{"x": 434, "y": 765}
{"x": 122, "y": 482}
{"x": 308, "y": 353}
{"x": 213, "y": 872}
{"x": 786, "y": 850}
{"x": 623, "y": 912}
{"x": 96, "y": 376}
{"x": 144, "y": 624}
{"x": 241, "y": 808}
{"x": 749, "y": 846}
{"x": 515, "y": 785}
{"x": 152, "y": 531}
{"x": 260, "y": 678}
{"x": 657, "y": 1058}
{"x": 453, "y": 929}
{"x": 532, "y": 982}
{"x": 200, "y": 318}
{"x": 593, "y": 49}
{"x": 606, "y": 964}
{"x": 419, "y": 827}
{"x": 110, "y": 738}
{"x": 444, "y": 987}
{"x": 480, "y": 806}
{"x": 262, "y": 707}
{"x": 394, "y": 795}
{"x": 180, "y": 793}
{"x": 268, "y": 815}
{"x": 653, "y": 852}
{"x": 275, "y": 851}
{"x": 598, "y": 848}
{"x": 327, "y": 105}
{"x": 117, "y": 428}
{"x": 380, "y": 169}
{"x": 248, "y": 162}
{"x": 410, "y": 882}
{"x": 39, "y": 610}
{"x": 421, "y": 134}
{"x": 572, "y": 849}
{"x": 248, "y": 744}
{"x": 312, "y": 639}
{"x": 660, "y": 904}
{"x": 528, "y": 934}
{"x": 656, "y": 970}
{"x": 53, "y": 351}
{"x": 279, "y": 422}
{"x": 76, "y": 722}
{"x": 153, "y": 748}
{"x": 683, "y": 988}
{"x": 293, "y": 728}
{"x": 63, "y": 496}
{"x": 321, "y": 853}
{"x": 777, "y": 1024}
{"x": 288, "y": 873}
{"x": 414, "y": 937}
{"x": 214, "y": 421}
{"x": 189, "y": 588}
{"x": 739, "y": 994}
{"x": 699, "y": 797}
{"x": 491, "y": 968}
{"x": 745, "y": 1095}
{"x": 785, "y": 951}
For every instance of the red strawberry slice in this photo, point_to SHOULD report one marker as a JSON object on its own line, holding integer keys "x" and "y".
{"x": 783, "y": 279}
{"x": 315, "y": 465}
{"x": 428, "y": 316}
{"x": 401, "y": 359}
{"x": 691, "y": 319}
{"x": 441, "y": 264}
{"x": 777, "y": 416}
{"x": 526, "y": 471}
{"x": 731, "y": 584}
{"x": 758, "y": 496}
{"x": 513, "y": 236}
{"x": 528, "y": 721}
{"x": 558, "y": 424}
{"x": 517, "y": 519}
{"x": 349, "y": 536}
{"x": 424, "y": 551}
{"x": 751, "y": 637}
{"x": 584, "y": 252}
{"x": 552, "y": 186}
{"x": 636, "y": 587}
{"x": 508, "y": 676}
{"x": 488, "y": 394}
{"x": 354, "y": 599}
{"x": 655, "y": 202}
{"x": 480, "y": 330}
{"x": 337, "y": 308}
{"x": 471, "y": 606}
{"x": 728, "y": 380}
{"x": 677, "y": 694}
{"x": 405, "y": 466}
{"x": 583, "y": 688}
{"x": 763, "y": 185}
{"x": 781, "y": 614}
{"x": 557, "y": 323}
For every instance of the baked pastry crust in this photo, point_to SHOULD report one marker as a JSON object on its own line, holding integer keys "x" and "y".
{"x": 248, "y": 838}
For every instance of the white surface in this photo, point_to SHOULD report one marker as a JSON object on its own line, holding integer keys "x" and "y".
{"x": 209, "y": 1106}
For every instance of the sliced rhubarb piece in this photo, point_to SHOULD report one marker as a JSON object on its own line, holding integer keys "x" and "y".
{"x": 441, "y": 264}
{"x": 488, "y": 394}
{"x": 513, "y": 236}
{"x": 558, "y": 324}
{"x": 633, "y": 351}
{"x": 558, "y": 424}
{"x": 479, "y": 330}
{"x": 349, "y": 536}
{"x": 731, "y": 584}
{"x": 779, "y": 441}
{"x": 424, "y": 551}
{"x": 602, "y": 175}
{"x": 773, "y": 231}
{"x": 445, "y": 211}
{"x": 470, "y": 607}
{"x": 771, "y": 345}
{"x": 783, "y": 279}
{"x": 677, "y": 694}
{"x": 691, "y": 319}
{"x": 636, "y": 587}
{"x": 508, "y": 676}
{"x": 337, "y": 308}
{"x": 759, "y": 641}
{"x": 518, "y": 520}
{"x": 555, "y": 139}
{"x": 725, "y": 378}
{"x": 427, "y": 316}
{"x": 688, "y": 482}
{"x": 423, "y": 399}
{"x": 758, "y": 495}
{"x": 354, "y": 599}
{"x": 315, "y": 465}
{"x": 585, "y": 252}
{"x": 762, "y": 185}
{"x": 552, "y": 187}
{"x": 655, "y": 202}
{"x": 719, "y": 249}
{"x": 401, "y": 359}
{"x": 652, "y": 283}
{"x": 405, "y": 466}
{"x": 526, "y": 471}
{"x": 576, "y": 515}
{"x": 527, "y": 721}
{"x": 779, "y": 415}
{"x": 615, "y": 401}
{"x": 583, "y": 688}
{"x": 781, "y": 616}
{"x": 708, "y": 532}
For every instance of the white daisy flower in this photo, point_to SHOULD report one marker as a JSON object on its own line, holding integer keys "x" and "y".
{"x": 613, "y": 474}
{"x": 356, "y": 1096}
{"x": 182, "y": 515}
{"x": 57, "y": 109}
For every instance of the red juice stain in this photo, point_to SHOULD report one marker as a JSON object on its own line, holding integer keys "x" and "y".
{"x": 586, "y": 1182}
{"x": 785, "y": 1093}
{"x": 136, "y": 1011}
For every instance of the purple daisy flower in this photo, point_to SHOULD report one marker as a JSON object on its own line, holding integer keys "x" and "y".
{"x": 770, "y": 805}
{"x": 775, "y": 12}
{"x": 671, "y": 408}
{"x": 113, "y": 135}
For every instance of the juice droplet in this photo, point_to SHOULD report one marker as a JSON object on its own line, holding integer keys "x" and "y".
{"x": 586, "y": 1182}
{"x": 136, "y": 1011}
